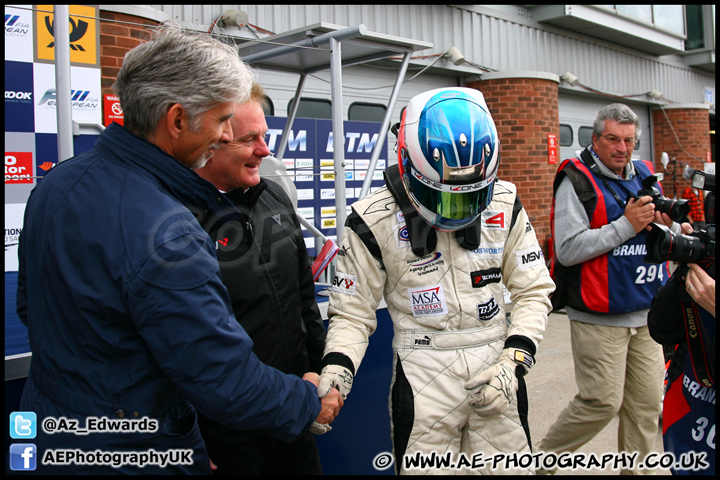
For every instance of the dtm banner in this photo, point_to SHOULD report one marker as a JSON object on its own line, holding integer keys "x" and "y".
{"x": 310, "y": 164}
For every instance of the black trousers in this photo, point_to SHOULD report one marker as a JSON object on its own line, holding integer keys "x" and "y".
{"x": 265, "y": 455}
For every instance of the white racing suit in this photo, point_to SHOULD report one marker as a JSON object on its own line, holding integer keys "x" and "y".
{"x": 448, "y": 314}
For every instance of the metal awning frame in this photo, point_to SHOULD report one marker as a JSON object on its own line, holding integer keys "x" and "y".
{"x": 334, "y": 38}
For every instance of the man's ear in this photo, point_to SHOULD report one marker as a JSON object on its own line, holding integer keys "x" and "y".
{"x": 176, "y": 120}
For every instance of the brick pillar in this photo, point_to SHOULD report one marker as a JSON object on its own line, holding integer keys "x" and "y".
{"x": 119, "y": 33}
{"x": 691, "y": 124}
{"x": 524, "y": 106}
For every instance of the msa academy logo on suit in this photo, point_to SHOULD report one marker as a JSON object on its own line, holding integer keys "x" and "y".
{"x": 427, "y": 301}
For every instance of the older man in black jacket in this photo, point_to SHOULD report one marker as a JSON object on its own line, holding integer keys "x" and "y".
{"x": 266, "y": 269}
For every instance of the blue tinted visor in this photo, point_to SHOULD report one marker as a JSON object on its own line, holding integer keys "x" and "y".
{"x": 445, "y": 209}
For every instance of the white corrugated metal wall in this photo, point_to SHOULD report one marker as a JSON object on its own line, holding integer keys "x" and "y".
{"x": 500, "y": 37}
{"x": 486, "y": 39}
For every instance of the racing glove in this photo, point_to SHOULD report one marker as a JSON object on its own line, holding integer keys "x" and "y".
{"x": 335, "y": 376}
{"x": 494, "y": 389}
{"x": 319, "y": 428}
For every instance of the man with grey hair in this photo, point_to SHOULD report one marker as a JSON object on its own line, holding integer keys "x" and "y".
{"x": 130, "y": 326}
{"x": 265, "y": 266}
{"x": 599, "y": 232}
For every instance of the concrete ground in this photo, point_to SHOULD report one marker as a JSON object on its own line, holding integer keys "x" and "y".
{"x": 551, "y": 386}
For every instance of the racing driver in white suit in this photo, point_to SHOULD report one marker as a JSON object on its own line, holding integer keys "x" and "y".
{"x": 438, "y": 241}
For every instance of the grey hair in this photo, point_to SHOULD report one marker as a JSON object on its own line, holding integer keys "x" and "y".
{"x": 619, "y": 112}
{"x": 175, "y": 66}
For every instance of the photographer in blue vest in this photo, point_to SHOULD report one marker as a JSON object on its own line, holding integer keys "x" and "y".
{"x": 600, "y": 215}
{"x": 682, "y": 317}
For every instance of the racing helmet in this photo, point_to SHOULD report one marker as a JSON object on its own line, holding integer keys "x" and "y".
{"x": 448, "y": 156}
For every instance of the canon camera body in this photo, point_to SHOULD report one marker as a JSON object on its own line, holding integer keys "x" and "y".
{"x": 676, "y": 209}
{"x": 698, "y": 247}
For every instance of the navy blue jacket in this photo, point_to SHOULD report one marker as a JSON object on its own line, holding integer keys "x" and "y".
{"x": 128, "y": 317}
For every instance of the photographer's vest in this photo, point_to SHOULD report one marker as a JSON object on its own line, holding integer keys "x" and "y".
{"x": 689, "y": 404}
{"x": 618, "y": 281}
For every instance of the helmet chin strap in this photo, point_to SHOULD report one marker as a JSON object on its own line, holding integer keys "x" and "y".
{"x": 423, "y": 236}
{"x": 469, "y": 237}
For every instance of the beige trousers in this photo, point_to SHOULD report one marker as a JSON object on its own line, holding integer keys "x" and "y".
{"x": 618, "y": 371}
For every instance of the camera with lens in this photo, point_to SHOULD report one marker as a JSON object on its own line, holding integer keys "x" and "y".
{"x": 699, "y": 246}
{"x": 678, "y": 210}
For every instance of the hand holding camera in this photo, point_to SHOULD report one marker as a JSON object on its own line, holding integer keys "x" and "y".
{"x": 640, "y": 211}
{"x": 692, "y": 247}
{"x": 701, "y": 287}
{"x": 677, "y": 210}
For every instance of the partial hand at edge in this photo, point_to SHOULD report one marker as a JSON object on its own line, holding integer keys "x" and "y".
{"x": 312, "y": 377}
{"x": 703, "y": 287}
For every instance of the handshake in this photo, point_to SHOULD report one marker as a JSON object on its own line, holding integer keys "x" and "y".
{"x": 331, "y": 402}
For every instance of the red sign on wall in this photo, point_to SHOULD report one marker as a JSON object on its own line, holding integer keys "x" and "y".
{"x": 113, "y": 111}
{"x": 18, "y": 167}
{"x": 552, "y": 149}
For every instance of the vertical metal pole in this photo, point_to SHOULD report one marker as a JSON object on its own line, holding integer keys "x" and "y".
{"x": 338, "y": 135}
{"x": 62, "y": 82}
{"x": 652, "y": 144}
{"x": 384, "y": 128}
{"x": 290, "y": 118}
